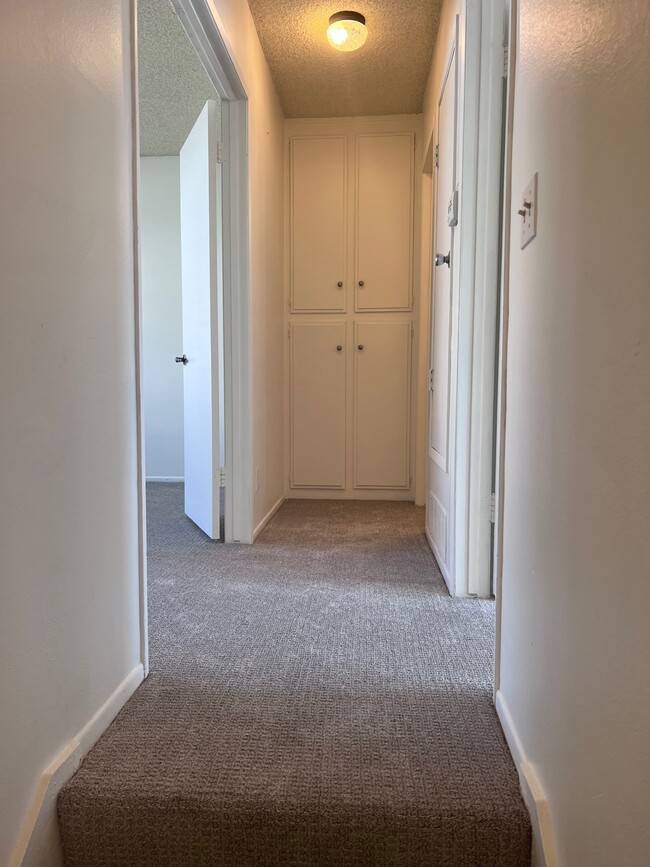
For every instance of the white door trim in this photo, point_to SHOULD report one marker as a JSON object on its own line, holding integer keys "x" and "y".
{"x": 502, "y": 362}
{"x": 204, "y": 30}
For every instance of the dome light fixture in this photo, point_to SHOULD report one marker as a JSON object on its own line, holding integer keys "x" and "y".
{"x": 347, "y": 31}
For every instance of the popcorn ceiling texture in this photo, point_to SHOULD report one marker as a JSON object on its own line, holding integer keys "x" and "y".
{"x": 386, "y": 76}
{"x": 173, "y": 85}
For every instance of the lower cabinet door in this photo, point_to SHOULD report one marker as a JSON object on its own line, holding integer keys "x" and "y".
{"x": 382, "y": 388}
{"x": 318, "y": 354}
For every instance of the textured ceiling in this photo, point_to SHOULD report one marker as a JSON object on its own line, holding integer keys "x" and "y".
{"x": 386, "y": 76}
{"x": 173, "y": 85}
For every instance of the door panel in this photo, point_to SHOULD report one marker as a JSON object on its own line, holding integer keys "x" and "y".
{"x": 318, "y": 224}
{"x": 318, "y": 404}
{"x": 384, "y": 222}
{"x": 200, "y": 202}
{"x": 382, "y": 387}
{"x": 439, "y": 499}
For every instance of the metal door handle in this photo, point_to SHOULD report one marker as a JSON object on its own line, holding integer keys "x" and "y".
{"x": 181, "y": 359}
{"x": 443, "y": 260}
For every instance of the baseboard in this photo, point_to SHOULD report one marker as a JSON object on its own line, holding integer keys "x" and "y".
{"x": 543, "y": 853}
{"x": 267, "y": 517}
{"x": 38, "y": 843}
{"x": 175, "y": 479}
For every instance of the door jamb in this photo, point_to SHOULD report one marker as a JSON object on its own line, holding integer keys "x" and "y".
{"x": 502, "y": 363}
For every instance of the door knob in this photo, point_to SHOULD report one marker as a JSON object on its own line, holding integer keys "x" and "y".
{"x": 361, "y": 283}
{"x": 181, "y": 359}
{"x": 443, "y": 260}
{"x": 340, "y": 284}
{"x": 360, "y": 347}
{"x": 339, "y": 348}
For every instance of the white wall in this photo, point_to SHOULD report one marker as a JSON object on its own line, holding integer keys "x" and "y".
{"x": 265, "y": 154}
{"x": 162, "y": 326}
{"x": 576, "y": 638}
{"x": 69, "y": 629}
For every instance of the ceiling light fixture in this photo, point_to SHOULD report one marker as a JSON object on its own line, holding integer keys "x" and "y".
{"x": 347, "y": 31}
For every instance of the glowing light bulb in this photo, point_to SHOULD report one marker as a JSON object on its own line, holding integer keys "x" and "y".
{"x": 347, "y": 31}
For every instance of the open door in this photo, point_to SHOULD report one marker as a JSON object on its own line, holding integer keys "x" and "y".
{"x": 200, "y": 267}
{"x": 439, "y": 498}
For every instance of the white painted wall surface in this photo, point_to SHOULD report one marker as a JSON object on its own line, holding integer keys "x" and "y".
{"x": 265, "y": 181}
{"x": 69, "y": 628}
{"x": 576, "y": 572}
{"x": 162, "y": 326}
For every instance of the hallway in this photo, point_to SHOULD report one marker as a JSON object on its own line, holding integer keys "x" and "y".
{"x": 314, "y": 699}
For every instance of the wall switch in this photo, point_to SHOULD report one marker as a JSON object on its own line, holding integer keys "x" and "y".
{"x": 528, "y": 213}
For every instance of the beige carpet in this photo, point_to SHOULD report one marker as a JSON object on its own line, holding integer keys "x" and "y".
{"x": 315, "y": 699}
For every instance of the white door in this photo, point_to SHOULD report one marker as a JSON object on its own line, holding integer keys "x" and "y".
{"x": 318, "y": 224}
{"x": 439, "y": 469}
{"x": 318, "y": 360}
{"x": 200, "y": 202}
{"x": 384, "y": 221}
{"x": 382, "y": 390}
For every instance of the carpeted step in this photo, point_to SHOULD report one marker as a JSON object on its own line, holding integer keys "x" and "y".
{"x": 316, "y": 699}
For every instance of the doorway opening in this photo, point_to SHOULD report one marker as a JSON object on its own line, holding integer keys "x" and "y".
{"x": 190, "y": 156}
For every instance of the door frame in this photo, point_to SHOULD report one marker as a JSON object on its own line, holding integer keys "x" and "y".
{"x": 474, "y": 338}
{"x": 205, "y": 31}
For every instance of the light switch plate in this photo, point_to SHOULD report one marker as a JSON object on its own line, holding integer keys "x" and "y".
{"x": 528, "y": 213}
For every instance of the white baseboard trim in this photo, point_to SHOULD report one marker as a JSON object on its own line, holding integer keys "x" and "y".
{"x": 544, "y": 853}
{"x": 38, "y": 843}
{"x": 267, "y": 517}
{"x": 177, "y": 479}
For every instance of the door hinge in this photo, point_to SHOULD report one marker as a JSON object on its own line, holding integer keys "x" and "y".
{"x": 221, "y": 152}
{"x": 436, "y": 156}
{"x": 506, "y": 57}
{"x": 431, "y": 380}
{"x": 222, "y": 477}
{"x": 412, "y": 331}
{"x": 493, "y": 508}
{"x": 289, "y": 332}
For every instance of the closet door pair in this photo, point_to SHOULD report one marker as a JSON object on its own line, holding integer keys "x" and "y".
{"x": 351, "y": 223}
{"x": 380, "y": 355}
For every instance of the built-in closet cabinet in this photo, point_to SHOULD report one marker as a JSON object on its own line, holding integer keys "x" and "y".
{"x": 318, "y": 361}
{"x": 318, "y": 216}
{"x": 384, "y": 221}
{"x": 352, "y": 210}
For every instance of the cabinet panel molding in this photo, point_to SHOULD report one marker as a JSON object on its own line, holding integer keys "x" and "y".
{"x": 318, "y": 224}
{"x": 384, "y": 169}
{"x": 382, "y": 389}
{"x": 318, "y": 355}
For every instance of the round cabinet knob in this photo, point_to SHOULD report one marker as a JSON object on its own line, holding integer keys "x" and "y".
{"x": 360, "y": 347}
{"x": 339, "y": 348}
{"x": 361, "y": 283}
{"x": 340, "y": 284}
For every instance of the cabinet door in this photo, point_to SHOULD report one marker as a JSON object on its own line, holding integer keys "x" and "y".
{"x": 384, "y": 222}
{"x": 318, "y": 224}
{"x": 318, "y": 405}
{"x": 382, "y": 399}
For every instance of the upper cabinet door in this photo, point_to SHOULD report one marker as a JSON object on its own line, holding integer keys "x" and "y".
{"x": 318, "y": 224}
{"x": 384, "y": 222}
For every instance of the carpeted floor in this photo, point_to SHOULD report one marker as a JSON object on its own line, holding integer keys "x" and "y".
{"x": 315, "y": 699}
